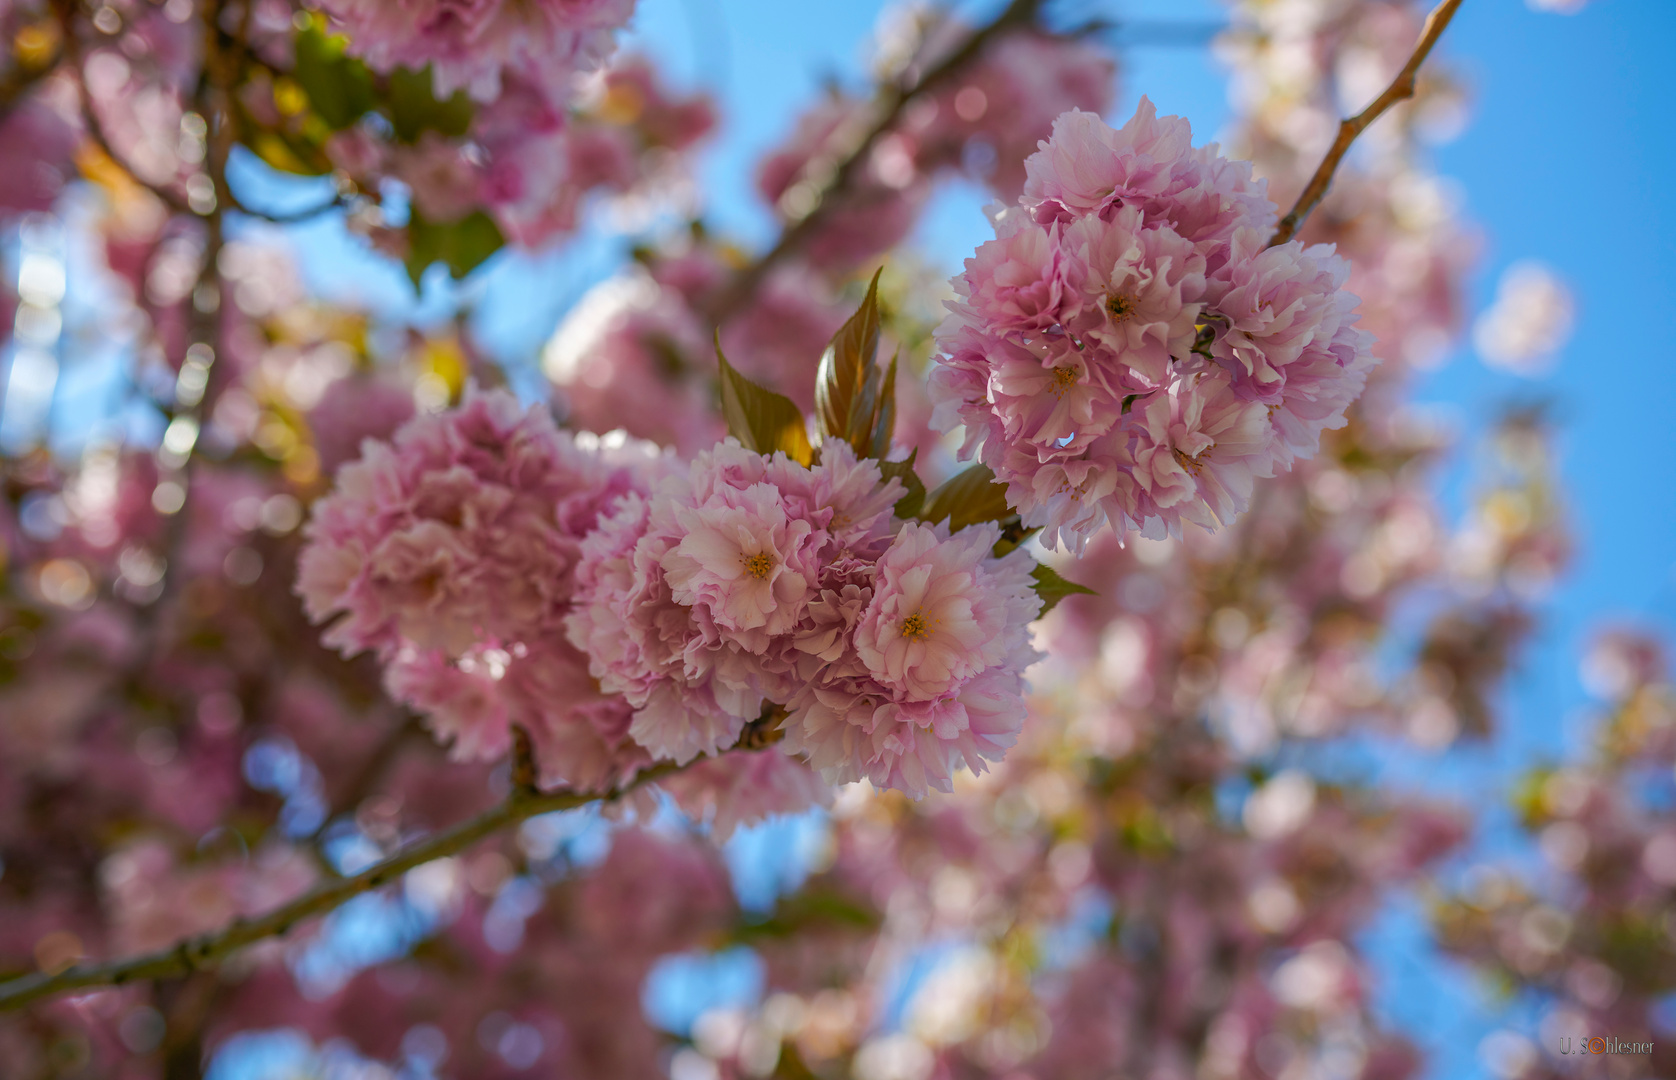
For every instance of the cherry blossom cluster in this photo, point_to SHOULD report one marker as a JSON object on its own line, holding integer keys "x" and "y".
{"x": 1128, "y": 350}
{"x": 529, "y": 158}
{"x": 745, "y": 580}
{"x": 494, "y": 563}
{"x": 472, "y": 46}
{"x": 449, "y": 552}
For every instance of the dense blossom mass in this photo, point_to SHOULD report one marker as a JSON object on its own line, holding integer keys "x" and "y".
{"x": 494, "y": 563}
{"x": 471, "y": 46}
{"x": 449, "y": 553}
{"x": 291, "y": 582}
{"x": 1128, "y": 351}
{"x": 746, "y": 580}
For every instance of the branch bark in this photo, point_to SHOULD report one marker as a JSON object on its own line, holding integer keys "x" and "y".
{"x": 891, "y": 100}
{"x": 205, "y": 951}
{"x": 1401, "y": 89}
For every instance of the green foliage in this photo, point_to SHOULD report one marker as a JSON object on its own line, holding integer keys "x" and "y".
{"x": 339, "y": 87}
{"x": 1013, "y": 533}
{"x": 908, "y": 505}
{"x": 414, "y": 109}
{"x": 851, "y": 401}
{"x": 1052, "y": 588}
{"x": 967, "y": 498}
{"x": 814, "y": 908}
{"x": 759, "y": 418}
{"x": 462, "y": 245}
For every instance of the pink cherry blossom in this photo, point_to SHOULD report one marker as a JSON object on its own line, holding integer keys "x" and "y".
{"x": 934, "y": 676}
{"x": 1076, "y": 355}
{"x": 740, "y": 789}
{"x": 462, "y": 530}
{"x": 353, "y": 409}
{"x": 469, "y": 43}
{"x": 1151, "y": 163}
{"x": 745, "y": 559}
{"x": 473, "y": 702}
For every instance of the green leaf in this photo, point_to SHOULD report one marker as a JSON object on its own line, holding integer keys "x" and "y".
{"x": 1013, "y": 533}
{"x": 759, "y": 418}
{"x": 908, "y": 505}
{"x": 339, "y": 87}
{"x": 285, "y": 152}
{"x": 1052, "y": 588}
{"x": 884, "y": 417}
{"x": 814, "y": 908}
{"x": 414, "y": 108}
{"x": 847, "y": 382}
{"x": 967, "y": 498}
{"x": 462, "y": 245}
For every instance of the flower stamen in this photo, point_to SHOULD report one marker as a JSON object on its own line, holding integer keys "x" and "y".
{"x": 1193, "y": 463}
{"x": 914, "y": 627}
{"x": 758, "y": 565}
{"x": 1119, "y": 306}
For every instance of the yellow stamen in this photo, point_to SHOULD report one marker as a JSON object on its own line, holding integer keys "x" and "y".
{"x": 914, "y": 627}
{"x": 1119, "y": 306}
{"x": 1192, "y": 464}
{"x": 758, "y": 565}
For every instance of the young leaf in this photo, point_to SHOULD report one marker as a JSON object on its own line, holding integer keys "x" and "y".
{"x": 966, "y": 498}
{"x": 847, "y": 382}
{"x": 884, "y": 417}
{"x": 414, "y": 108}
{"x": 908, "y": 505}
{"x": 339, "y": 87}
{"x": 1013, "y": 533}
{"x": 759, "y": 418}
{"x": 1052, "y": 588}
{"x": 462, "y": 244}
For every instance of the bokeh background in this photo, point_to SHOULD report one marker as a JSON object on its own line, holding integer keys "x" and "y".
{"x": 1560, "y": 161}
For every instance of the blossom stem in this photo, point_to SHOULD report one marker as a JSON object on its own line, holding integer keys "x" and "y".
{"x": 1401, "y": 89}
{"x": 206, "y": 950}
{"x": 893, "y": 98}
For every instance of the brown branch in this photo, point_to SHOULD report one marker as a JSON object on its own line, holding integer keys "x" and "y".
{"x": 22, "y": 77}
{"x": 891, "y": 100}
{"x": 1401, "y": 88}
{"x": 287, "y": 217}
{"x": 206, "y": 950}
{"x": 70, "y": 49}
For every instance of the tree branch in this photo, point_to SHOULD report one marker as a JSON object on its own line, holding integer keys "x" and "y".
{"x": 22, "y": 77}
{"x": 1401, "y": 88}
{"x": 206, "y": 950}
{"x": 65, "y": 12}
{"x": 892, "y": 99}
{"x": 287, "y": 217}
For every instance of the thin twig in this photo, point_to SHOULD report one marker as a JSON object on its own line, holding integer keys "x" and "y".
{"x": 892, "y": 99}
{"x": 1400, "y": 89}
{"x": 287, "y": 217}
{"x": 21, "y": 78}
{"x": 204, "y": 951}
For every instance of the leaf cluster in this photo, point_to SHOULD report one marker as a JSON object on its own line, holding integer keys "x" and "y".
{"x": 328, "y": 91}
